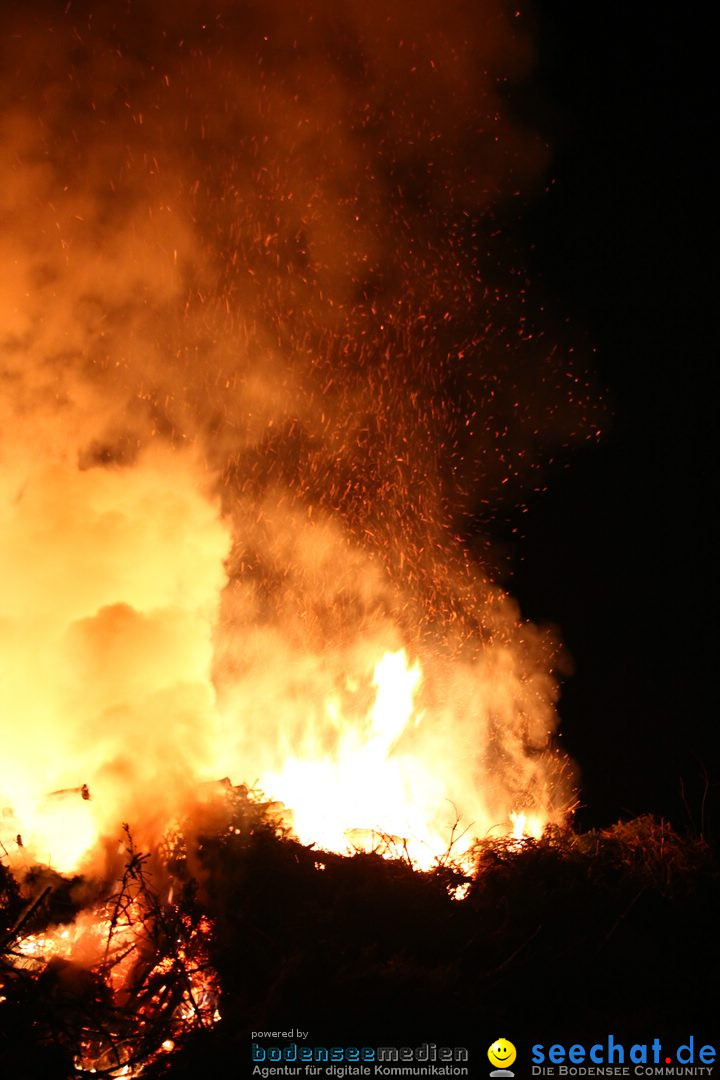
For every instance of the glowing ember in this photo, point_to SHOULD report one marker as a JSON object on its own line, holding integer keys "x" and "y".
{"x": 134, "y": 976}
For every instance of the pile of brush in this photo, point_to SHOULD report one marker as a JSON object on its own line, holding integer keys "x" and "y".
{"x": 102, "y": 990}
{"x": 612, "y": 930}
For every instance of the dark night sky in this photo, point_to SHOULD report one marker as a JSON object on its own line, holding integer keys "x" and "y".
{"x": 619, "y": 554}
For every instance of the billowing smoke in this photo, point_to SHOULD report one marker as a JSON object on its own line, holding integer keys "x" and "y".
{"x": 259, "y": 358}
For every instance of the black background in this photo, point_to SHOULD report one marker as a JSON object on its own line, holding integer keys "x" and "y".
{"x": 620, "y": 553}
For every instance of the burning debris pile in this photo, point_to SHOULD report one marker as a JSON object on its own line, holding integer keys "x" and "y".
{"x": 359, "y": 943}
{"x": 116, "y": 983}
{"x": 264, "y": 366}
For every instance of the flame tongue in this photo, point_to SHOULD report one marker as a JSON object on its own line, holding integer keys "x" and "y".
{"x": 394, "y": 703}
{"x": 367, "y": 785}
{"x": 376, "y": 789}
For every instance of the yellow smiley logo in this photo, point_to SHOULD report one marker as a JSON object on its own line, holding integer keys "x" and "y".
{"x": 502, "y": 1053}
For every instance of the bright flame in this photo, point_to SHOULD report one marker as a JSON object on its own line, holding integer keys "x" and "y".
{"x": 365, "y": 748}
{"x": 113, "y": 593}
{"x": 367, "y": 788}
{"x": 526, "y": 825}
{"x": 379, "y": 787}
{"x": 110, "y": 595}
{"x": 170, "y": 989}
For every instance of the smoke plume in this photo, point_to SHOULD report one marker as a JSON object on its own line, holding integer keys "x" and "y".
{"x": 260, "y": 355}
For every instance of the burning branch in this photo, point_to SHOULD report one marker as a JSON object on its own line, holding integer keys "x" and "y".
{"x": 122, "y": 985}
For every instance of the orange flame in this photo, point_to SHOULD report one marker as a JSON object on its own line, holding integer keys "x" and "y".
{"x": 154, "y": 984}
{"x": 361, "y": 745}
